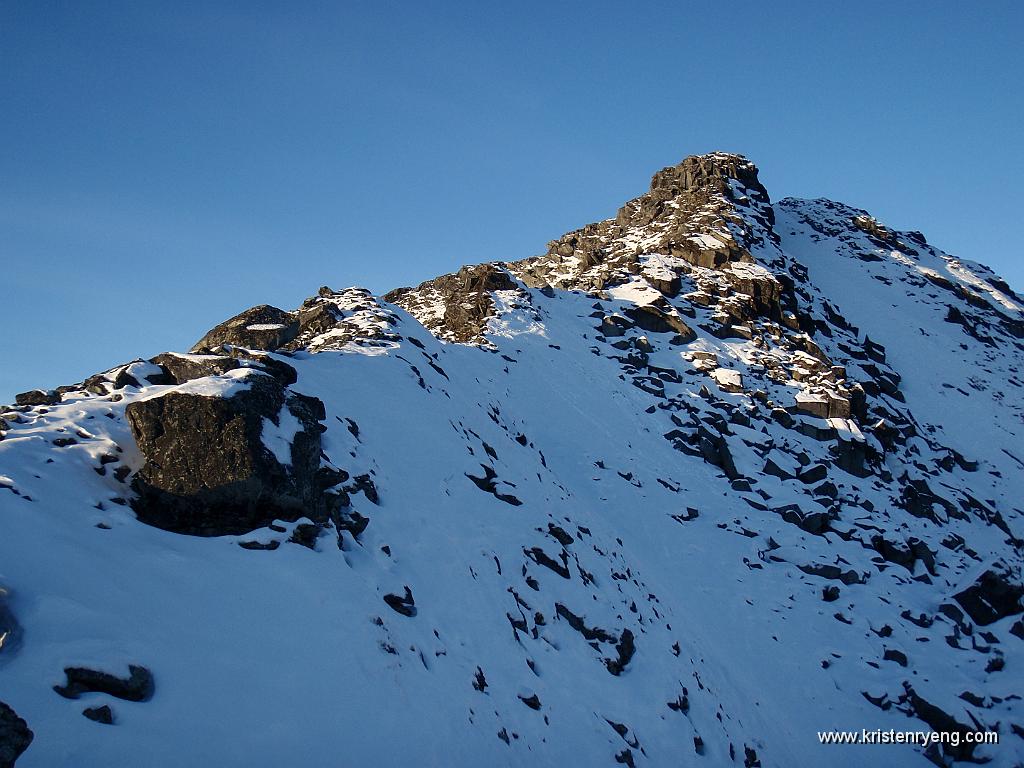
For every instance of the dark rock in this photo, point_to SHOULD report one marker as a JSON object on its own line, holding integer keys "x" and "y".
{"x": 207, "y": 470}
{"x": 466, "y": 296}
{"x": 532, "y": 701}
{"x": 941, "y": 721}
{"x": 37, "y": 397}
{"x": 614, "y": 325}
{"x": 654, "y": 320}
{"x": 260, "y": 327}
{"x": 182, "y": 368}
{"x": 404, "y": 605}
{"x": 15, "y": 736}
{"x": 100, "y": 714}
{"x": 892, "y": 654}
{"x": 138, "y": 686}
{"x": 306, "y": 535}
{"x": 996, "y": 594}
{"x": 1018, "y": 629}
{"x": 814, "y": 474}
{"x": 832, "y": 572}
{"x": 830, "y": 593}
{"x": 625, "y": 649}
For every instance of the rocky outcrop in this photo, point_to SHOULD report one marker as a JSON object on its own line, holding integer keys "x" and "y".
{"x": 260, "y": 327}
{"x": 993, "y": 596}
{"x": 138, "y": 686}
{"x": 37, "y": 397}
{"x": 209, "y": 470}
{"x": 182, "y": 368}
{"x": 456, "y": 306}
{"x": 15, "y": 736}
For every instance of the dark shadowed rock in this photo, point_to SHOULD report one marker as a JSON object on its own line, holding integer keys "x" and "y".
{"x": 652, "y": 319}
{"x": 182, "y": 368}
{"x": 403, "y": 604}
{"x": 207, "y": 469}
{"x": 995, "y": 595}
{"x": 15, "y": 736}
{"x": 261, "y": 327}
{"x": 103, "y": 714}
{"x": 37, "y": 397}
{"x": 138, "y": 686}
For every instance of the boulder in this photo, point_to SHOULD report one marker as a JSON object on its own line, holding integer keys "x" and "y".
{"x": 994, "y": 595}
{"x": 37, "y": 397}
{"x": 138, "y": 686}
{"x": 654, "y": 320}
{"x": 15, "y": 736}
{"x": 260, "y": 327}
{"x": 182, "y": 368}
{"x": 227, "y": 465}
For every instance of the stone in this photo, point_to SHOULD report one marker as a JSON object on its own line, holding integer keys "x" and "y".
{"x": 138, "y": 686}
{"x": 182, "y": 368}
{"x": 814, "y": 474}
{"x": 101, "y": 714}
{"x": 260, "y": 327}
{"x": 15, "y": 736}
{"x": 812, "y": 404}
{"x": 728, "y": 380}
{"x": 654, "y": 320}
{"x": 994, "y": 595}
{"x": 404, "y": 604}
{"x": 466, "y": 296}
{"x": 207, "y": 470}
{"x": 37, "y": 397}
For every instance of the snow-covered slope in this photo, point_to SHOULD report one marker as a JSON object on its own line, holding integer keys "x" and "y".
{"x": 701, "y": 481}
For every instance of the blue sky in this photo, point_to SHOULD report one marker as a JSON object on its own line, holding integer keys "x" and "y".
{"x": 166, "y": 165}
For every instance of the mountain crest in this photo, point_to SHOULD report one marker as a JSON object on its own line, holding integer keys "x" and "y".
{"x": 600, "y": 506}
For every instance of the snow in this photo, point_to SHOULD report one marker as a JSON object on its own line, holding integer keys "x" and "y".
{"x": 278, "y": 438}
{"x": 291, "y": 656}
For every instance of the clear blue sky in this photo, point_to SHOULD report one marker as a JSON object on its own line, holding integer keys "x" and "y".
{"x": 166, "y": 165}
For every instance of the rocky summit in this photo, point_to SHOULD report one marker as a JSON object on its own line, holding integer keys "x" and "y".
{"x": 701, "y": 481}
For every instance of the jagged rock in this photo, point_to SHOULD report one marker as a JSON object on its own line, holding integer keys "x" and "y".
{"x": 403, "y": 604}
{"x": 813, "y": 404}
{"x": 260, "y": 327}
{"x": 182, "y": 368}
{"x": 37, "y": 397}
{"x": 995, "y": 595}
{"x": 728, "y": 380}
{"x": 15, "y": 736}
{"x": 941, "y": 721}
{"x": 101, "y": 714}
{"x": 465, "y": 296}
{"x": 208, "y": 471}
{"x": 655, "y": 320}
{"x": 138, "y": 686}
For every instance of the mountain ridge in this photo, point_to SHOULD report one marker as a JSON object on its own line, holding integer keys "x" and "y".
{"x": 567, "y": 505}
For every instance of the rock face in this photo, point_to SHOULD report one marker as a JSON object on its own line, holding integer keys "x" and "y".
{"x": 261, "y": 327}
{"x": 994, "y": 596}
{"x": 208, "y": 469}
{"x": 138, "y": 686}
{"x": 456, "y": 306}
{"x": 15, "y": 736}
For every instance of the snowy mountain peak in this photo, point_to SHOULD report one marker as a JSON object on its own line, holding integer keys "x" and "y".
{"x": 601, "y": 505}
